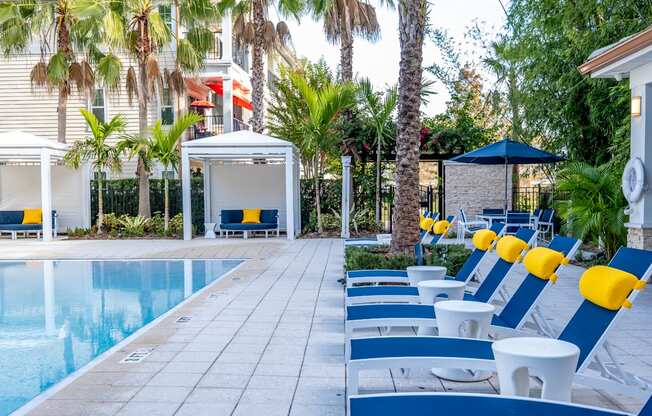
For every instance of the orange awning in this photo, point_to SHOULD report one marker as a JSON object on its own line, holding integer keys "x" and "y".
{"x": 202, "y": 104}
{"x": 239, "y": 91}
{"x": 196, "y": 89}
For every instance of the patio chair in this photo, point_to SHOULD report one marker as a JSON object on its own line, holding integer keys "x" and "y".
{"x": 485, "y": 292}
{"x": 587, "y": 329}
{"x": 546, "y": 223}
{"x": 515, "y": 220}
{"x": 434, "y": 236}
{"x": 468, "y": 226}
{"x": 427, "y": 404}
{"x": 493, "y": 211}
{"x": 513, "y": 316}
{"x": 371, "y": 276}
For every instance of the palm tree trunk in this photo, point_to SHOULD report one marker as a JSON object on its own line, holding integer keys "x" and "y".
{"x": 320, "y": 228}
{"x": 144, "y": 209}
{"x": 346, "y": 47}
{"x": 100, "y": 202}
{"x": 258, "y": 68}
{"x": 166, "y": 204}
{"x": 61, "y": 114}
{"x": 405, "y": 230}
{"x": 378, "y": 173}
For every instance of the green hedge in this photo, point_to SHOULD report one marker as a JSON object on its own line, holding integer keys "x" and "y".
{"x": 451, "y": 256}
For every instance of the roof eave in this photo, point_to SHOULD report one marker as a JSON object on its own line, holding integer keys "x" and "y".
{"x": 620, "y": 50}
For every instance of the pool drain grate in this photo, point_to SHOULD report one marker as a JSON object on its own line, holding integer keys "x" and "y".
{"x": 183, "y": 319}
{"x": 137, "y": 356}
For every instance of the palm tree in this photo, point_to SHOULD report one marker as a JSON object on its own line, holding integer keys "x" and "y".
{"x": 96, "y": 150}
{"x": 412, "y": 25}
{"x": 251, "y": 27}
{"x": 378, "y": 110}
{"x": 324, "y": 106}
{"x": 75, "y": 28}
{"x": 164, "y": 149}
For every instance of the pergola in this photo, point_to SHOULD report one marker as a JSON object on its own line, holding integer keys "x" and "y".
{"x": 241, "y": 170}
{"x": 18, "y": 148}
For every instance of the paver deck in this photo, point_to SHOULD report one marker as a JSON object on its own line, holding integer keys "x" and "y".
{"x": 268, "y": 339}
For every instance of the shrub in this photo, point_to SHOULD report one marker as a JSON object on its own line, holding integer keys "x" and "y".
{"x": 133, "y": 226}
{"x": 112, "y": 223}
{"x": 331, "y": 222}
{"x": 451, "y": 256}
{"x": 176, "y": 225}
{"x": 78, "y": 232}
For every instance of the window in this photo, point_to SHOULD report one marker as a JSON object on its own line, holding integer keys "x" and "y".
{"x": 165, "y": 10}
{"x": 167, "y": 109}
{"x": 98, "y": 106}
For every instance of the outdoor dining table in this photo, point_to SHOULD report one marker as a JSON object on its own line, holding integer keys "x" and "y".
{"x": 490, "y": 218}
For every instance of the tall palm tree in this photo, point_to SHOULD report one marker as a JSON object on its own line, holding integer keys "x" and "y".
{"x": 378, "y": 110}
{"x": 412, "y": 24}
{"x": 164, "y": 149}
{"x": 251, "y": 27}
{"x": 324, "y": 106}
{"x": 96, "y": 150}
{"x": 69, "y": 35}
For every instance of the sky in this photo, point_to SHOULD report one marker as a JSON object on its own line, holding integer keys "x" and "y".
{"x": 379, "y": 61}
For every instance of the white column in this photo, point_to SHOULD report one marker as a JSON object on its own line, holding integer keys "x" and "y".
{"x": 346, "y": 195}
{"x": 48, "y": 297}
{"x": 86, "y": 195}
{"x": 289, "y": 193}
{"x": 297, "y": 196}
{"x": 185, "y": 192}
{"x": 227, "y": 103}
{"x": 187, "y": 278}
{"x": 227, "y": 38}
{"x": 227, "y": 81}
{"x": 46, "y": 194}
{"x": 207, "y": 191}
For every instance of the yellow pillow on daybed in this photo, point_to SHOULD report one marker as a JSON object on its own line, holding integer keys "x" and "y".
{"x": 483, "y": 239}
{"x": 542, "y": 262}
{"x": 441, "y": 227}
{"x": 509, "y": 248}
{"x": 33, "y": 216}
{"x": 608, "y": 287}
{"x": 251, "y": 216}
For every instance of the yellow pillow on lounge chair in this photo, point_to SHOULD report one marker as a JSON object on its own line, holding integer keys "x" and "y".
{"x": 542, "y": 262}
{"x": 608, "y": 287}
{"x": 33, "y": 216}
{"x": 483, "y": 239}
{"x": 441, "y": 227}
{"x": 509, "y": 248}
{"x": 426, "y": 223}
{"x": 251, "y": 216}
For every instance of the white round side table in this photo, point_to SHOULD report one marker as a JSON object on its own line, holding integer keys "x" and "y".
{"x": 552, "y": 360}
{"x": 462, "y": 318}
{"x": 419, "y": 273}
{"x": 210, "y": 230}
{"x": 433, "y": 291}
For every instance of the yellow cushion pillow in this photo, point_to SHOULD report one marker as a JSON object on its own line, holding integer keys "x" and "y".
{"x": 542, "y": 262}
{"x": 251, "y": 216}
{"x": 33, "y": 216}
{"x": 509, "y": 248}
{"x": 426, "y": 223}
{"x": 482, "y": 239}
{"x": 608, "y": 287}
{"x": 441, "y": 227}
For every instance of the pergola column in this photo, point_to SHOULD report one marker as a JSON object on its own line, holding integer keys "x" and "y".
{"x": 46, "y": 194}
{"x": 289, "y": 193}
{"x": 207, "y": 192}
{"x": 346, "y": 195}
{"x": 185, "y": 191}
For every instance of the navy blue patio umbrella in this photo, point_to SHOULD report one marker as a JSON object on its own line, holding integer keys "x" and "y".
{"x": 507, "y": 152}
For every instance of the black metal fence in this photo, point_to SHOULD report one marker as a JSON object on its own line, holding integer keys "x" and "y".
{"x": 431, "y": 198}
{"x": 533, "y": 197}
{"x": 121, "y": 197}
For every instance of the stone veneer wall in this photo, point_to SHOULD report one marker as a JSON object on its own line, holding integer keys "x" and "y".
{"x": 639, "y": 238}
{"x": 474, "y": 187}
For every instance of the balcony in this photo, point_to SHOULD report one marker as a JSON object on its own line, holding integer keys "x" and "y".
{"x": 214, "y": 125}
{"x": 240, "y": 54}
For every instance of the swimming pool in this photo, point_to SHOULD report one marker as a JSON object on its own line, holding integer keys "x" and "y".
{"x": 58, "y": 315}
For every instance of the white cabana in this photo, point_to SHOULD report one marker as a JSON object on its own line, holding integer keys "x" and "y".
{"x": 244, "y": 169}
{"x": 18, "y": 148}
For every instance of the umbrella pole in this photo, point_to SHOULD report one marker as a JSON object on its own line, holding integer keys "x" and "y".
{"x": 505, "y": 186}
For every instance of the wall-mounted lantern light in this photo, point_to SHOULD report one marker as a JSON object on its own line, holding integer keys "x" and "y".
{"x": 636, "y": 106}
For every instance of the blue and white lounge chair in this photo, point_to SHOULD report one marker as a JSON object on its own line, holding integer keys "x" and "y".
{"x": 587, "y": 329}
{"x": 431, "y": 237}
{"x": 371, "y": 276}
{"x": 464, "y": 225}
{"x": 509, "y": 321}
{"x": 484, "y": 292}
{"x": 429, "y": 404}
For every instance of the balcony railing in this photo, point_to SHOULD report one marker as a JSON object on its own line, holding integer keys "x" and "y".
{"x": 214, "y": 125}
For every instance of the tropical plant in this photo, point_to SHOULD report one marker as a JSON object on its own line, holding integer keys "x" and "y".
{"x": 76, "y": 29}
{"x": 164, "y": 149}
{"x": 412, "y": 26}
{"x": 379, "y": 110}
{"x": 97, "y": 151}
{"x": 324, "y": 105}
{"x": 251, "y": 27}
{"x": 595, "y": 207}
{"x": 133, "y": 226}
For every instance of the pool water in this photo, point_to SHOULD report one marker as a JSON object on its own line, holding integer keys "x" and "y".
{"x": 58, "y": 315}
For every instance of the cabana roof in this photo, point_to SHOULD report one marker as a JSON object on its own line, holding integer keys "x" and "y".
{"x": 242, "y": 138}
{"x": 19, "y": 147}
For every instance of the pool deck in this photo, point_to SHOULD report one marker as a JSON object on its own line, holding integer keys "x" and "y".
{"x": 268, "y": 339}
